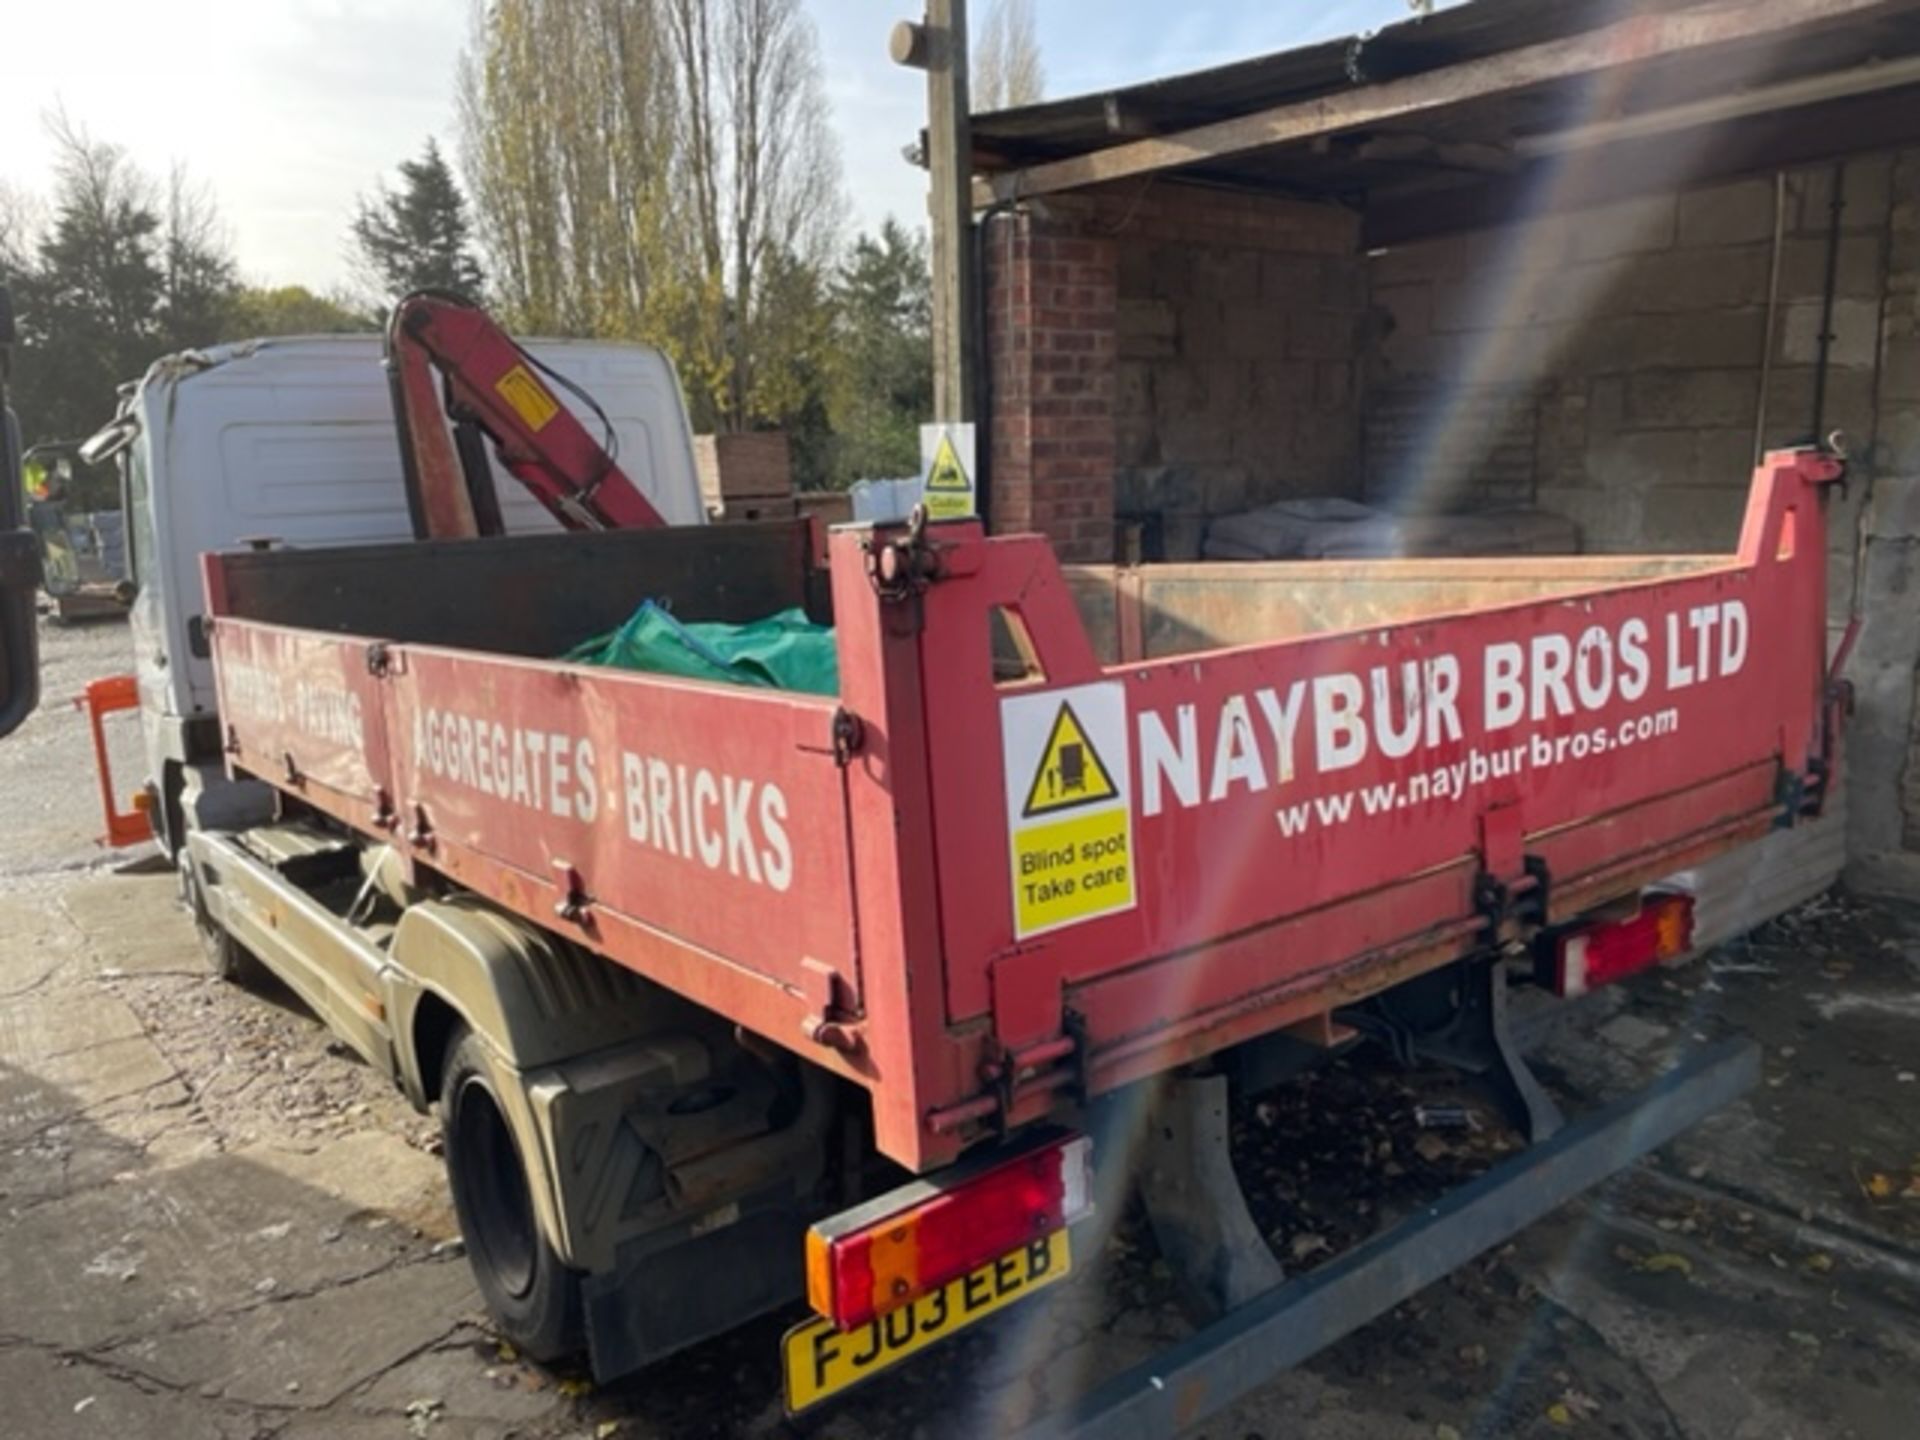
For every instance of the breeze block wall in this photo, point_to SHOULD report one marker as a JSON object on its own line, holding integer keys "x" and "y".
{"x": 1240, "y": 325}
{"x": 1166, "y": 353}
{"x": 1607, "y": 364}
{"x": 1613, "y": 365}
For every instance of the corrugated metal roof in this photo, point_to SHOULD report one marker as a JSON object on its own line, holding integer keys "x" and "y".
{"x": 1465, "y": 143}
{"x": 1073, "y": 126}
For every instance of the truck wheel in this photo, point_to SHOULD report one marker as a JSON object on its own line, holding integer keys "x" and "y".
{"x": 226, "y": 957}
{"x": 532, "y": 1296}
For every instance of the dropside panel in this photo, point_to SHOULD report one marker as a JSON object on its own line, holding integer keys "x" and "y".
{"x": 712, "y": 816}
{"x": 697, "y": 834}
{"x": 1305, "y": 810}
{"x": 305, "y": 712}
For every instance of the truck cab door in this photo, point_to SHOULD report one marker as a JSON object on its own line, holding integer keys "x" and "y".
{"x": 19, "y": 560}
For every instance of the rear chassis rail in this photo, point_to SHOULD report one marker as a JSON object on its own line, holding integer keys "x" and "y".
{"x": 1289, "y": 1324}
{"x": 835, "y": 874}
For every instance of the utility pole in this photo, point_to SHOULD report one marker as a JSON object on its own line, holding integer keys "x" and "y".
{"x": 939, "y": 46}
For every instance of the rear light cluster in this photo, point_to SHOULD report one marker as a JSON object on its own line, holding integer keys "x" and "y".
{"x": 887, "y": 1253}
{"x": 1598, "y": 955}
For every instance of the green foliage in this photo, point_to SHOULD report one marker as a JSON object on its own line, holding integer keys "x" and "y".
{"x": 793, "y": 366}
{"x": 418, "y": 237}
{"x": 290, "y": 310}
{"x": 881, "y": 387}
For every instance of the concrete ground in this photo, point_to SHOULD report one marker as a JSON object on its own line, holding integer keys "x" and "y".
{"x": 215, "y": 1224}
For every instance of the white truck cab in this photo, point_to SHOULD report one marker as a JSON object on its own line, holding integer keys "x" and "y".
{"x": 292, "y": 441}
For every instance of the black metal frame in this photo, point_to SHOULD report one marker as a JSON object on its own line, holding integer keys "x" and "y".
{"x": 1229, "y": 1359}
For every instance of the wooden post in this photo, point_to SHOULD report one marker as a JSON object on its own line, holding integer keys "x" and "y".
{"x": 939, "y": 46}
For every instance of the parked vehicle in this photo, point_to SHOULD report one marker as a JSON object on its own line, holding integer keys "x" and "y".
{"x": 83, "y": 556}
{"x": 292, "y": 442}
{"x": 19, "y": 559}
{"x": 731, "y": 996}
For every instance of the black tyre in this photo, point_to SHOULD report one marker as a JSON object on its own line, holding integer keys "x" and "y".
{"x": 533, "y": 1298}
{"x": 226, "y": 957}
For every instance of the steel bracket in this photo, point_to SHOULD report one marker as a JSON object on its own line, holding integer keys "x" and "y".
{"x": 1527, "y": 901}
{"x": 574, "y": 904}
{"x": 1480, "y": 1041}
{"x": 849, "y": 734}
{"x": 1194, "y": 1200}
{"x": 900, "y": 570}
{"x": 827, "y": 1022}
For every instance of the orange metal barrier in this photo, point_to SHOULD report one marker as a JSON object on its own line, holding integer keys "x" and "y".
{"x": 102, "y": 698}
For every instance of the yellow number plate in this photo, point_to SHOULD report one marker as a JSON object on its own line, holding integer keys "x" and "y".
{"x": 820, "y": 1361}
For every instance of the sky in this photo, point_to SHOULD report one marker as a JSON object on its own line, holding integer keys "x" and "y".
{"x": 290, "y": 109}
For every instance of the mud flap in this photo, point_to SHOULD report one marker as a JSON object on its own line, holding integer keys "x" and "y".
{"x": 672, "y": 1290}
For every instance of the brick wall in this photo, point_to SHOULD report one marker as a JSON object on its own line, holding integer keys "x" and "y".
{"x": 1051, "y": 348}
{"x": 1170, "y": 353}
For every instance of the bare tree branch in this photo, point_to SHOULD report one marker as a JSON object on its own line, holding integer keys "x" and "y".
{"x": 1006, "y": 67}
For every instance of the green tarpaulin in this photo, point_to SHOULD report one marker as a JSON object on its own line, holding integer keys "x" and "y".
{"x": 784, "y": 652}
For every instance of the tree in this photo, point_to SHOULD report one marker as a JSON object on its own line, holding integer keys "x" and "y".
{"x": 89, "y": 306}
{"x": 120, "y": 272}
{"x": 198, "y": 276}
{"x": 566, "y": 138}
{"x": 21, "y": 222}
{"x": 418, "y": 237}
{"x": 760, "y": 175}
{"x": 1006, "y": 62}
{"x": 882, "y": 381}
{"x": 663, "y": 170}
{"x": 290, "y": 310}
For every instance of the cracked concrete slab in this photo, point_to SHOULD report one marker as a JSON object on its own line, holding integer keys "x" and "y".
{"x": 374, "y": 1171}
{"x": 462, "y": 1382}
{"x": 72, "y": 1083}
{"x": 60, "y": 1022}
{"x": 311, "y": 1350}
{"x": 130, "y": 925}
{"x": 177, "y": 1247}
{"x": 45, "y": 1396}
{"x": 406, "y": 1427}
{"x": 1735, "y": 1350}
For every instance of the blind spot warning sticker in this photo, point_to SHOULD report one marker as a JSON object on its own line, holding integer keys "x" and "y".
{"x": 528, "y": 397}
{"x": 1068, "y": 771}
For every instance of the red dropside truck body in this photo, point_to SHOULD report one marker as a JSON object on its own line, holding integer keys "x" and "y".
{"x": 1059, "y": 830}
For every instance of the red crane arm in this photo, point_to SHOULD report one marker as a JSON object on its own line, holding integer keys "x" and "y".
{"x": 492, "y": 386}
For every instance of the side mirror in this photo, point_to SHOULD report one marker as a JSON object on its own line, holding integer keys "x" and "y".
{"x": 109, "y": 440}
{"x": 19, "y": 562}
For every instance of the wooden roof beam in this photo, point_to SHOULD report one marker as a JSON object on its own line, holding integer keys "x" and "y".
{"x": 1627, "y": 42}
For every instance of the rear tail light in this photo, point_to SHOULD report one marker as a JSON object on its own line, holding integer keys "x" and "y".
{"x": 1598, "y": 955}
{"x": 888, "y": 1252}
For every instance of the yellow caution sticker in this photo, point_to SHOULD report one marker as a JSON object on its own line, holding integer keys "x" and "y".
{"x": 947, "y": 454}
{"x": 1069, "y": 806}
{"x": 1070, "y": 773}
{"x": 528, "y": 397}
